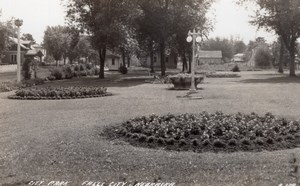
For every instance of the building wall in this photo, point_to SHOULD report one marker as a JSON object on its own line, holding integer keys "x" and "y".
{"x": 170, "y": 61}
{"x": 8, "y": 59}
{"x": 110, "y": 65}
{"x": 203, "y": 61}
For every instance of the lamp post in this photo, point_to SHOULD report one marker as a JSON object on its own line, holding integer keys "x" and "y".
{"x": 195, "y": 38}
{"x": 18, "y": 23}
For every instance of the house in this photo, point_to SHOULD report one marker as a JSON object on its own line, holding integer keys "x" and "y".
{"x": 170, "y": 60}
{"x": 10, "y": 56}
{"x": 240, "y": 57}
{"x": 209, "y": 57}
{"x": 113, "y": 61}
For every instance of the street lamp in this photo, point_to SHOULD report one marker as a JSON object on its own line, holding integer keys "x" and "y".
{"x": 19, "y": 23}
{"x": 193, "y": 37}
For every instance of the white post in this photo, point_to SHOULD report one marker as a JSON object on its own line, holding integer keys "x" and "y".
{"x": 19, "y": 58}
{"x": 18, "y": 23}
{"x": 193, "y": 88}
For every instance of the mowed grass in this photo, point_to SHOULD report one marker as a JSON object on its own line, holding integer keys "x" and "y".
{"x": 61, "y": 140}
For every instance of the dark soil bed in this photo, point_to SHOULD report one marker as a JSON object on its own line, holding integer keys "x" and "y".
{"x": 204, "y": 132}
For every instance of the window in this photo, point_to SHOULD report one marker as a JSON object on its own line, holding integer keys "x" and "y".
{"x": 167, "y": 59}
{"x": 155, "y": 59}
{"x": 13, "y": 58}
{"x": 113, "y": 61}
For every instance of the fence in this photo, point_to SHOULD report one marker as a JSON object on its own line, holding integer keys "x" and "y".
{"x": 8, "y": 68}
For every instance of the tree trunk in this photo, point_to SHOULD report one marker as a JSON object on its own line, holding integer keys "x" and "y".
{"x": 162, "y": 58}
{"x": 102, "y": 54}
{"x": 190, "y": 63}
{"x": 64, "y": 60}
{"x": 280, "y": 70}
{"x": 151, "y": 58}
{"x": 184, "y": 62}
{"x": 292, "y": 63}
{"x": 123, "y": 57}
{"x": 128, "y": 61}
{"x": 57, "y": 63}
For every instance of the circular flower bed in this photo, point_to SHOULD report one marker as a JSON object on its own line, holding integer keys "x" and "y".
{"x": 210, "y": 132}
{"x": 36, "y": 93}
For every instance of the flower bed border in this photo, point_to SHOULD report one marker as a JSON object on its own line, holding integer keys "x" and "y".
{"x": 58, "y": 98}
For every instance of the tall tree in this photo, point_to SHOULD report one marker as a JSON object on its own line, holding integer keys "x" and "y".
{"x": 101, "y": 19}
{"x": 166, "y": 20}
{"x": 54, "y": 43}
{"x": 281, "y": 16}
{"x": 28, "y": 37}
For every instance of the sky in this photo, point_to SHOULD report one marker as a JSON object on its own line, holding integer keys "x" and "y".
{"x": 229, "y": 19}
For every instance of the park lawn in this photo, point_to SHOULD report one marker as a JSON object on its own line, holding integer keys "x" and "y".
{"x": 61, "y": 140}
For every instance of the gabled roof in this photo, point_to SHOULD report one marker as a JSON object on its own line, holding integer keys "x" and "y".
{"x": 110, "y": 54}
{"x": 239, "y": 55}
{"x": 209, "y": 54}
{"x": 34, "y": 53}
{"x": 22, "y": 42}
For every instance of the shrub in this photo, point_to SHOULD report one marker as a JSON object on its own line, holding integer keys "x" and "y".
{"x": 81, "y": 67}
{"x": 51, "y": 78}
{"x": 57, "y": 73}
{"x": 235, "y": 69}
{"x": 219, "y": 143}
{"x": 83, "y": 73}
{"x": 182, "y": 142}
{"x": 170, "y": 141}
{"x": 76, "y": 68}
{"x": 206, "y": 143}
{"x": 135, "y": 136}
{"x": 262, "y": 57}
{"x": 270, "y": 141}
{"x": 195, "y": 142}
{"x": 31, "y": 82}
{"x": 245, "y": 141}
{"x": 150, "y": 139}
{"x": 88, "y": 66}
{"x": 128, "y": 134}
{"x": 232, "y": 142}
{"x": 259, "y": 141}
{"x": 26, "y": 69}
{"x": 69, "y": 73}
{"x": 123, "y": 70}
{"x": 142, "y": 138}
{"x": 160, "y": 141}
{"x": 290, "y": 137}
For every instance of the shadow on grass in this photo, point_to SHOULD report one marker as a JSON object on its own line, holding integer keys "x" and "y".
{"x": 274, "y": 80}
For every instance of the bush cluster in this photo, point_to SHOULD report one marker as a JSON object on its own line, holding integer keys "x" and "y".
{"x": 123, "y": 70}
{"x": 68, "y": 72}
{"x": 235, "y": 69}
{"x": 60, "y": 93}
{"x": 216, "y": 131}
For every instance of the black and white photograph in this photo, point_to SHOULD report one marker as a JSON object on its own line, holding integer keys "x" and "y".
{"x": 149, "y": 92}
